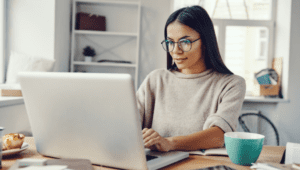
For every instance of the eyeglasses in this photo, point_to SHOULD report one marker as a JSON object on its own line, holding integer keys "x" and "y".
{"x": 184, "y": 44}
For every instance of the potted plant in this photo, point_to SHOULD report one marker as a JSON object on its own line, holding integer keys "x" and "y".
{"x": 89, "y": 53}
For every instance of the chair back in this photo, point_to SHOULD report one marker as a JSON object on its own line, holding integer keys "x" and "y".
{"x": 258, "y": 123}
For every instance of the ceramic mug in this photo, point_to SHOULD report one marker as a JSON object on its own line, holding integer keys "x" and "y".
{"x": 243, "y": 148}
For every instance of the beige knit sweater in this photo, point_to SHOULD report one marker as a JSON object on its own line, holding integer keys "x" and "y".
{"x": 175, "y": 104}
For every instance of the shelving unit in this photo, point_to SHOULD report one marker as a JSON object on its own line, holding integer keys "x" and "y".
{"x": 120, "y": 41}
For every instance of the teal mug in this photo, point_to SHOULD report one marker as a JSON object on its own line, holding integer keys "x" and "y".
{"x": 243, "y": 148}
{"x": 1, "y": 133}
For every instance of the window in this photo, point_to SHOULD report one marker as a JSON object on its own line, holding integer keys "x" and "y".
{"x": 245, "y": 33}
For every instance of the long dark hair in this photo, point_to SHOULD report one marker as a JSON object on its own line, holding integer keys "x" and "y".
{"x": 197, "y": 18}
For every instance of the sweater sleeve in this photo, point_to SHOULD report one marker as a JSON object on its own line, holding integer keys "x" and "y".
{"x": 229, "y": 106}
{"x": 145, "y": 103}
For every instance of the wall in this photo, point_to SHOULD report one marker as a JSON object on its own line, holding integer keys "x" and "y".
{"x": 40, "y": 28}
{"x": 154, "y": 16}
{"x": 31, "y": 27}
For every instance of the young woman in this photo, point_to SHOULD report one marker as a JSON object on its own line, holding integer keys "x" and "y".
{"x": 190, "y": 105}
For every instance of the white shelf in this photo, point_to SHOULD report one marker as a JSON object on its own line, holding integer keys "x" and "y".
{"x": 103, "y": 64}
{"x": 109, "y": 2}
{"x": 105, "y": 33}
{"x": 122, "y": 23}
{"x": 265, "y": 100}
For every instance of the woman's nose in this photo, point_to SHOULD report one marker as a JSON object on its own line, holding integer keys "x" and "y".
{"x": 177, "y": 49}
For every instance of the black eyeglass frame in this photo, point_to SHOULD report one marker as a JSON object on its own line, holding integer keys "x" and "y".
{"x": 178, "y": 45}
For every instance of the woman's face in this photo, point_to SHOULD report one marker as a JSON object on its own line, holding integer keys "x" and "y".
{"x": 190, "y": 62}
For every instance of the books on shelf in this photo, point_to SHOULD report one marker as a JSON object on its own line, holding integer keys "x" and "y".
{"x": 267, "y": 76}
{"x": 208, "y": 152}
{"x": 10, "y": 90}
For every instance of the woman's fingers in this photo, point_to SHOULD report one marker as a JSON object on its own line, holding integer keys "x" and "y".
{"x": 147, "y": 132}
{"x": 144, "y": 130}
{"x": 152, "y": 136}
{"x": 152, "y": 141}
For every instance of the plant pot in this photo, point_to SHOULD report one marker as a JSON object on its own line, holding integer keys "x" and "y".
{"x": 88, "y": 59}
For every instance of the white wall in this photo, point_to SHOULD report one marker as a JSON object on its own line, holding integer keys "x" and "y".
{"x": 31, "y": 27}
{"x": 154, "y": 16}
{"x": 40, "y": 28}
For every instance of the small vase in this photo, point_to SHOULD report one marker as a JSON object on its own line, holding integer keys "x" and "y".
{"x": 88, "y": 59}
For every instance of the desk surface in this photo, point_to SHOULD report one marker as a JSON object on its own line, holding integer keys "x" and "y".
{"x": 268, "y": 154}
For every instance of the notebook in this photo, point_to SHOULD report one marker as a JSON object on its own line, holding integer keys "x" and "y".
{"x": 208, "y": 152}
{"x": 89, "y": 116}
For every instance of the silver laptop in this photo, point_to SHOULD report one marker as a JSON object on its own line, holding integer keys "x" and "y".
{"x": 90, "y": 116}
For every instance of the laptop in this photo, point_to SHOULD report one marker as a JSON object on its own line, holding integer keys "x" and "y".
{"x": 89, "y": 116}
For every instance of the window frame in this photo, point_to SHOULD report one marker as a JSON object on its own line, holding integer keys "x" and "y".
{"x": 270, "y": 24}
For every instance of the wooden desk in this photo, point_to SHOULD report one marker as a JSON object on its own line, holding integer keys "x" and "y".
{"x": 269, "y": 154}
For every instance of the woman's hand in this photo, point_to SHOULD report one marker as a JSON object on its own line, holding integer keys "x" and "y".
{"x": 154, "y": 141}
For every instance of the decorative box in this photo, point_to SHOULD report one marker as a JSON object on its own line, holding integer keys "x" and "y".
{"x": 86, "y": 21}
{"x": 268, "y": 89}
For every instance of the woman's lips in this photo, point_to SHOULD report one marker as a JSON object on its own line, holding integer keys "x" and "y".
{"x": 180, "y": 60}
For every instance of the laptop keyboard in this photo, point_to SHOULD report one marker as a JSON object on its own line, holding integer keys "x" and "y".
{"x": 149, "y": 157}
